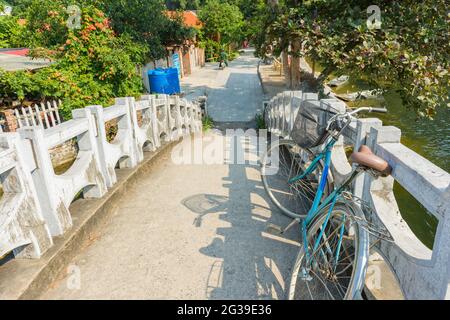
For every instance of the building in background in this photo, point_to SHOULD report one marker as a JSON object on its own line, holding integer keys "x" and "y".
{"x": 186, "y": 56}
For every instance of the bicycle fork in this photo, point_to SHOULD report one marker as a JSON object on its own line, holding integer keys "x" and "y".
{"x": 305, "y": 273}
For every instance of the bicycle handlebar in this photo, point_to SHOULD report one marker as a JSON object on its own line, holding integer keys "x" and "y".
{"x": 379, "y": 110}
{"x": 348, "y": 115}
{"x": 368, "y": 109}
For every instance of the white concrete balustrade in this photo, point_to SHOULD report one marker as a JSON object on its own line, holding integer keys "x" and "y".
{"x": 36, "y": 202}
{"x": 123, "y": 149}
{"x": 421, "y": 273}
{"x": 162, "y": 118}
{"x": 22, "y": 226}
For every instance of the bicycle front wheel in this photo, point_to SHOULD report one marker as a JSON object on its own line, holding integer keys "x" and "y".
{"x": 336, "y": 269}
{"x": 283, "y": 161}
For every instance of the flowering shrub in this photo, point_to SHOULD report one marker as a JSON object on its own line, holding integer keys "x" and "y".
{"x": 91, "y": 64}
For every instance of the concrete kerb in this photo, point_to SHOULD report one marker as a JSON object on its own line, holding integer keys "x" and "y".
{"x": 25, "y": 279}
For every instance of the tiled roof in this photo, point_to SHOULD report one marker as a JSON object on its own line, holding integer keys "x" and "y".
{"x": 190, "y": 18}
{"x": 14, "y": 59}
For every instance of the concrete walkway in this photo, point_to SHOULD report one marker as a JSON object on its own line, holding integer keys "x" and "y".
{"x": 191, "y": 231}
{"x": 234, "y": 94}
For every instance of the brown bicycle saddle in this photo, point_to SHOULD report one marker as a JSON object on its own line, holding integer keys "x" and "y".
{"x": 367, "y": 158}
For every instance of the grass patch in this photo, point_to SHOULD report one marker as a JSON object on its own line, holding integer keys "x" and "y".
{"x": 207, "y": 123}
{"x": 260, "y": 122}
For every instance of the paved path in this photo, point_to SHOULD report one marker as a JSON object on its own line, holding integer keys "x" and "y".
{"x": 191, "y": 231}
{"x": 234, "y": 94}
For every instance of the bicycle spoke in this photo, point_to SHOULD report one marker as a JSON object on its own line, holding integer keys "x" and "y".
{"x": 297, "y": 197}
{"x": 331, "y": 264}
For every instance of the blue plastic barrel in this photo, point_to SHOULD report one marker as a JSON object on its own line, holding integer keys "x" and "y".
{"x": 174, "y": 80}
{"x": 164, "y": 81}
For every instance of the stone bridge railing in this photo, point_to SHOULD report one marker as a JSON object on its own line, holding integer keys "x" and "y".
{"x": 421, "y": 273}
{"x": 35, "y": 205}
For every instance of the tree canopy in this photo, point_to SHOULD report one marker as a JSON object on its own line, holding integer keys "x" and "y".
{"x": 222, "y": 21}
{"x": 408, "y": 53}
{"x": 184, "y": 4}
{"x": 146, "y": 22}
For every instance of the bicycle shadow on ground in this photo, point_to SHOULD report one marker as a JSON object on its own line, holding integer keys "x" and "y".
{"x": 251, "y": 262}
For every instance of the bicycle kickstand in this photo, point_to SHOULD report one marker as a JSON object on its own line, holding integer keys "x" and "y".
{"x": 273, "y": 228}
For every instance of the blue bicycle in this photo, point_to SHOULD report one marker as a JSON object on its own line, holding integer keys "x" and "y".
{"x": 333, "y": 259}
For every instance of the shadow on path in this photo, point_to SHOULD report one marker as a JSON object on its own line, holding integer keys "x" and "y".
{"x": 251, "y": 264}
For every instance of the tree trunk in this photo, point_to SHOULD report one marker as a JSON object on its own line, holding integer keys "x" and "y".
{"x": 286, "y": 69}
{"x": 295, "y": 65}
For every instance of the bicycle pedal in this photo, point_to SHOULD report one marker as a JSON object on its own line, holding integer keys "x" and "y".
{"x": 274, "y": 229}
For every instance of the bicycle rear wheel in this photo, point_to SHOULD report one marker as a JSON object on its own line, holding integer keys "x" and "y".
{"x": 293, "y": 199}
{"x": 336, "y": 270}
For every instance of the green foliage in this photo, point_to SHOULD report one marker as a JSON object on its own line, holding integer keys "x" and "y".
{"x": 183, "y": 4}
{"x": 222, "y": 21}
{"x": 260, "y": 122}
{"x": 222, "y": 27}
{"x": 212, "y": 49}
{"x": 146, "y": 23}
{"x": 174, "y": 32}
{"x": 207, "y": 123}
{"x": 11, "y": 32}
{"x": 406, "y": 54}
{"x": 92, "y": 64}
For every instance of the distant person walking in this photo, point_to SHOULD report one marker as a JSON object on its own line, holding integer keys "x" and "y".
{"x": 223, "y": 58}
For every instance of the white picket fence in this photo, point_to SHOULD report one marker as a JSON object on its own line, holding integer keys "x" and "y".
{"x": 45, "y": 114}
{"x": 35, "y": 203}
{"x": 422, "y": 273}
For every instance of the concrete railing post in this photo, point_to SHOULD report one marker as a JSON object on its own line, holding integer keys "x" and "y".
{"x": 151, "y": 114}
{"x": 124, "y": 124}
{"x": 23, "y": 228}
{"x": 54, "y": 210}
{"x": 175, "y": 118}
{"x": 276, "y": 114}
{"x": 283, "y": 112}
{"x": 363, "y": 127}
{"x": 376, "y": 135}
{"x": 87, "y": 141}
{"x": 166, "y": 110}
{"x": 295, "y": 105}
{"x": 137, "y": 151}
{"x": 441, "y": 248}
{"x": 100, "y": 137}
{"x": 154, "y": 120}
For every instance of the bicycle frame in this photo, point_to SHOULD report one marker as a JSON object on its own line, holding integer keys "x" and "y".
{"x": 325, "y": 154}
{"x": 317, "y": 205}
{"x": 321, "y": 245}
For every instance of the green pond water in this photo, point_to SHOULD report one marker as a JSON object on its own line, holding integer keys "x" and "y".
{"x": 429, "y": 138}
